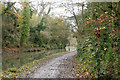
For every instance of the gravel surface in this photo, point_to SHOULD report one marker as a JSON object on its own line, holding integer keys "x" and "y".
{"x": 57, "y": 67}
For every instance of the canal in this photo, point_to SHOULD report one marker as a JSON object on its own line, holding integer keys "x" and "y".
{"x": 16, "y": 60}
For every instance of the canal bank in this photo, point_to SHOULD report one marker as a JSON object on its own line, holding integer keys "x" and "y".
{"x": 14, "y": 67}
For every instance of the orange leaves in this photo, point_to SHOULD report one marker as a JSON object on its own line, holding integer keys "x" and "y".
{"x": 10, "y": 12}
{"x": 93, "y": 20}
{"x": 24, "y": 4}
{"x": 19, "y": 17}
{"x": 101, "y": 15}
{"x": 99, "y": 18}
{"x": 87, "y": 22}
{"x": 102, "y": 19}
{"x": 6, "y": 14}
{"x": 94, "y": 23}
{"x": 114, "y": 19}
{"x": 106, "y": 16}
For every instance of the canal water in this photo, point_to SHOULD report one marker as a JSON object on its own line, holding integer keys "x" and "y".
{"x": 19, "y": 59}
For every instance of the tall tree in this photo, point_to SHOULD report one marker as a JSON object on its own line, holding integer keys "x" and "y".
{"x": 25, "y": 24}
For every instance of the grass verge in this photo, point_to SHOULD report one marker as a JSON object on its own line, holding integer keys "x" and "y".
{"x": 27, "y": 68}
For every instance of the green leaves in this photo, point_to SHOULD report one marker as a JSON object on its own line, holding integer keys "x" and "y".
{"x": 88, "y": 54}
{"x": 40, "y": 26}
{"x": 25, "y": 25}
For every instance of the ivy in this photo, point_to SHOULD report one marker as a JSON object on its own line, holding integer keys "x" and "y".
{"x": 25, "y": 25}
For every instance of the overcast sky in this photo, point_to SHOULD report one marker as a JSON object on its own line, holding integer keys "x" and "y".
{"x": 58, "y": 6}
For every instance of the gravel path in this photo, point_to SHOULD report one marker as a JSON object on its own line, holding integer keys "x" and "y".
{"x": 57, "y": 67}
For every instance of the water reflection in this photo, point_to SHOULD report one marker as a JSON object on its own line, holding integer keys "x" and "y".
{"x": 18, "y": 59}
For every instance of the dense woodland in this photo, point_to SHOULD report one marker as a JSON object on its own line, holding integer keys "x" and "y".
{"x": 27, "y": 28}
{"x": 97, "y": 30}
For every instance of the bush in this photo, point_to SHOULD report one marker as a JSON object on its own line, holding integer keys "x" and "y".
{"x": 93, "y": 57}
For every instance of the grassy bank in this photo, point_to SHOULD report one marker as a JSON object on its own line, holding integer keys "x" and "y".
{"x": 27, "y": 68}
